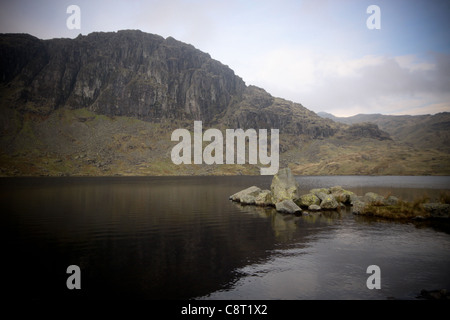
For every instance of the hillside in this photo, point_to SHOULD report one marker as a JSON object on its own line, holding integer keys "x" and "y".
{"x": 107, "y": 103}
{"x": 420, "y": 131}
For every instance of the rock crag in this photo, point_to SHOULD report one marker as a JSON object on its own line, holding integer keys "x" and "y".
{"x": 284, "y": 196}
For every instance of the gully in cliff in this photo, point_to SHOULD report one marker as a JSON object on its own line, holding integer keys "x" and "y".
{"x": 213, "y": 153}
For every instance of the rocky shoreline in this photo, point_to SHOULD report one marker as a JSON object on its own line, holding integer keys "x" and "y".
{"x": 285, "y": 196}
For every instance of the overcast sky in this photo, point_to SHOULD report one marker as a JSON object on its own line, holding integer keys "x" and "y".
{"x": 316, "y": 52}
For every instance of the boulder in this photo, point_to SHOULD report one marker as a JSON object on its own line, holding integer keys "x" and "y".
{"x": 323, "y": 190}
{"x": 438, "y": 210}
{"x": 284, "y": 186}
{"x": 321, "y": 195}
{"x": 252, "y": 191}
{"x": 354, "y": 198}
{"x": 358, "y": 207}
{"x": 342, "y": 195}
{"x": 264, "y": 198}
{"x": 336, "y": 189}
{"x": 372, "y": 197}
{"x": 306, "y": 200}
{"x": 391, "y": 201}
{"x": 314, "y": 207}
{"x": 329, "y": 203}
{"x": 287, "y": 206}
{"x": 248, "y": 199}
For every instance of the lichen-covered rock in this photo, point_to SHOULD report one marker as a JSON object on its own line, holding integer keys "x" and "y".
{"x": 372, "y": 197}
{"x": 322, "y": 190}
{"x": 284, "y": 186}
{"x": 252, "y": 191}
{"x": 264, "y": 198}
{"x": 321, "y": 195}
{"x": 306, "y": 200}
{"x": 248, "y": 199}
{"x": 287, "y": 206}
{"x": 329, "y": 203}
{"x": 358, "y": 207}
{"x": 342, "y": 195}
{"x": 353, "y": 198}
{"x": 336, "y": 189}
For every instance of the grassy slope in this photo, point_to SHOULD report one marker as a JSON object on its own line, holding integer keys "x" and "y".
{"x": 79, "y": 142}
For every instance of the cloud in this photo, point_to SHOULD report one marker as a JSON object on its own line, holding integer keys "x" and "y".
{"x": 371, "y": 84}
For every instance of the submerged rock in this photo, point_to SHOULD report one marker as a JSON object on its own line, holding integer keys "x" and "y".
{"x": 287, "y": 206}
{"x": 284, "y": 186}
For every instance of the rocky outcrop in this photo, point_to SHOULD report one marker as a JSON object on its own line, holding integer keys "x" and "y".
{"x": 284, "y": 196}
{"x": 284, "y": 189}
{"x": 124, "y": 73}
{"x": 284, "y": 186}
{"x": 367, "y": 130}
{"x": 142, "y": 75}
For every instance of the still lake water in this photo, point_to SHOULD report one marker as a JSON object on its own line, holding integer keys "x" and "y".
{"x": 181, "y": 238}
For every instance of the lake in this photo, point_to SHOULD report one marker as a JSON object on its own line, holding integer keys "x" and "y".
{"x": 181, "y": 238}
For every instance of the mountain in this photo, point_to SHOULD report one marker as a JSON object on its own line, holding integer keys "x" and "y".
{"x": 420, "y": 131}
{"x": 107, "y": 103}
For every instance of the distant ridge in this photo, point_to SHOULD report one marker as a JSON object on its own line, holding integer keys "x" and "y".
{"x": 421, "y": 131}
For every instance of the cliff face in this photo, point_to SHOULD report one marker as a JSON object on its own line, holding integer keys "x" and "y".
{"x": 131, "y": 73}
{"x": 106, "y": 104}
{"x": 128, "y": 73}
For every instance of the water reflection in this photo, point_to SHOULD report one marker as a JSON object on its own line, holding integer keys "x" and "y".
{"x": 180, "y": 237}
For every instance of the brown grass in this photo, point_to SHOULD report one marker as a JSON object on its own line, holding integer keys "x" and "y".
{"x": 444, "y": 198}
{"x": 402, "y": 210}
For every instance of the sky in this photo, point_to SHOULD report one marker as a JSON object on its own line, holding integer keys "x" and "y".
{"x": 320, "y": 53}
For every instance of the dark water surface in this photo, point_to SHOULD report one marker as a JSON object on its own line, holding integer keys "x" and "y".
{"x": 180, "y": 237}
